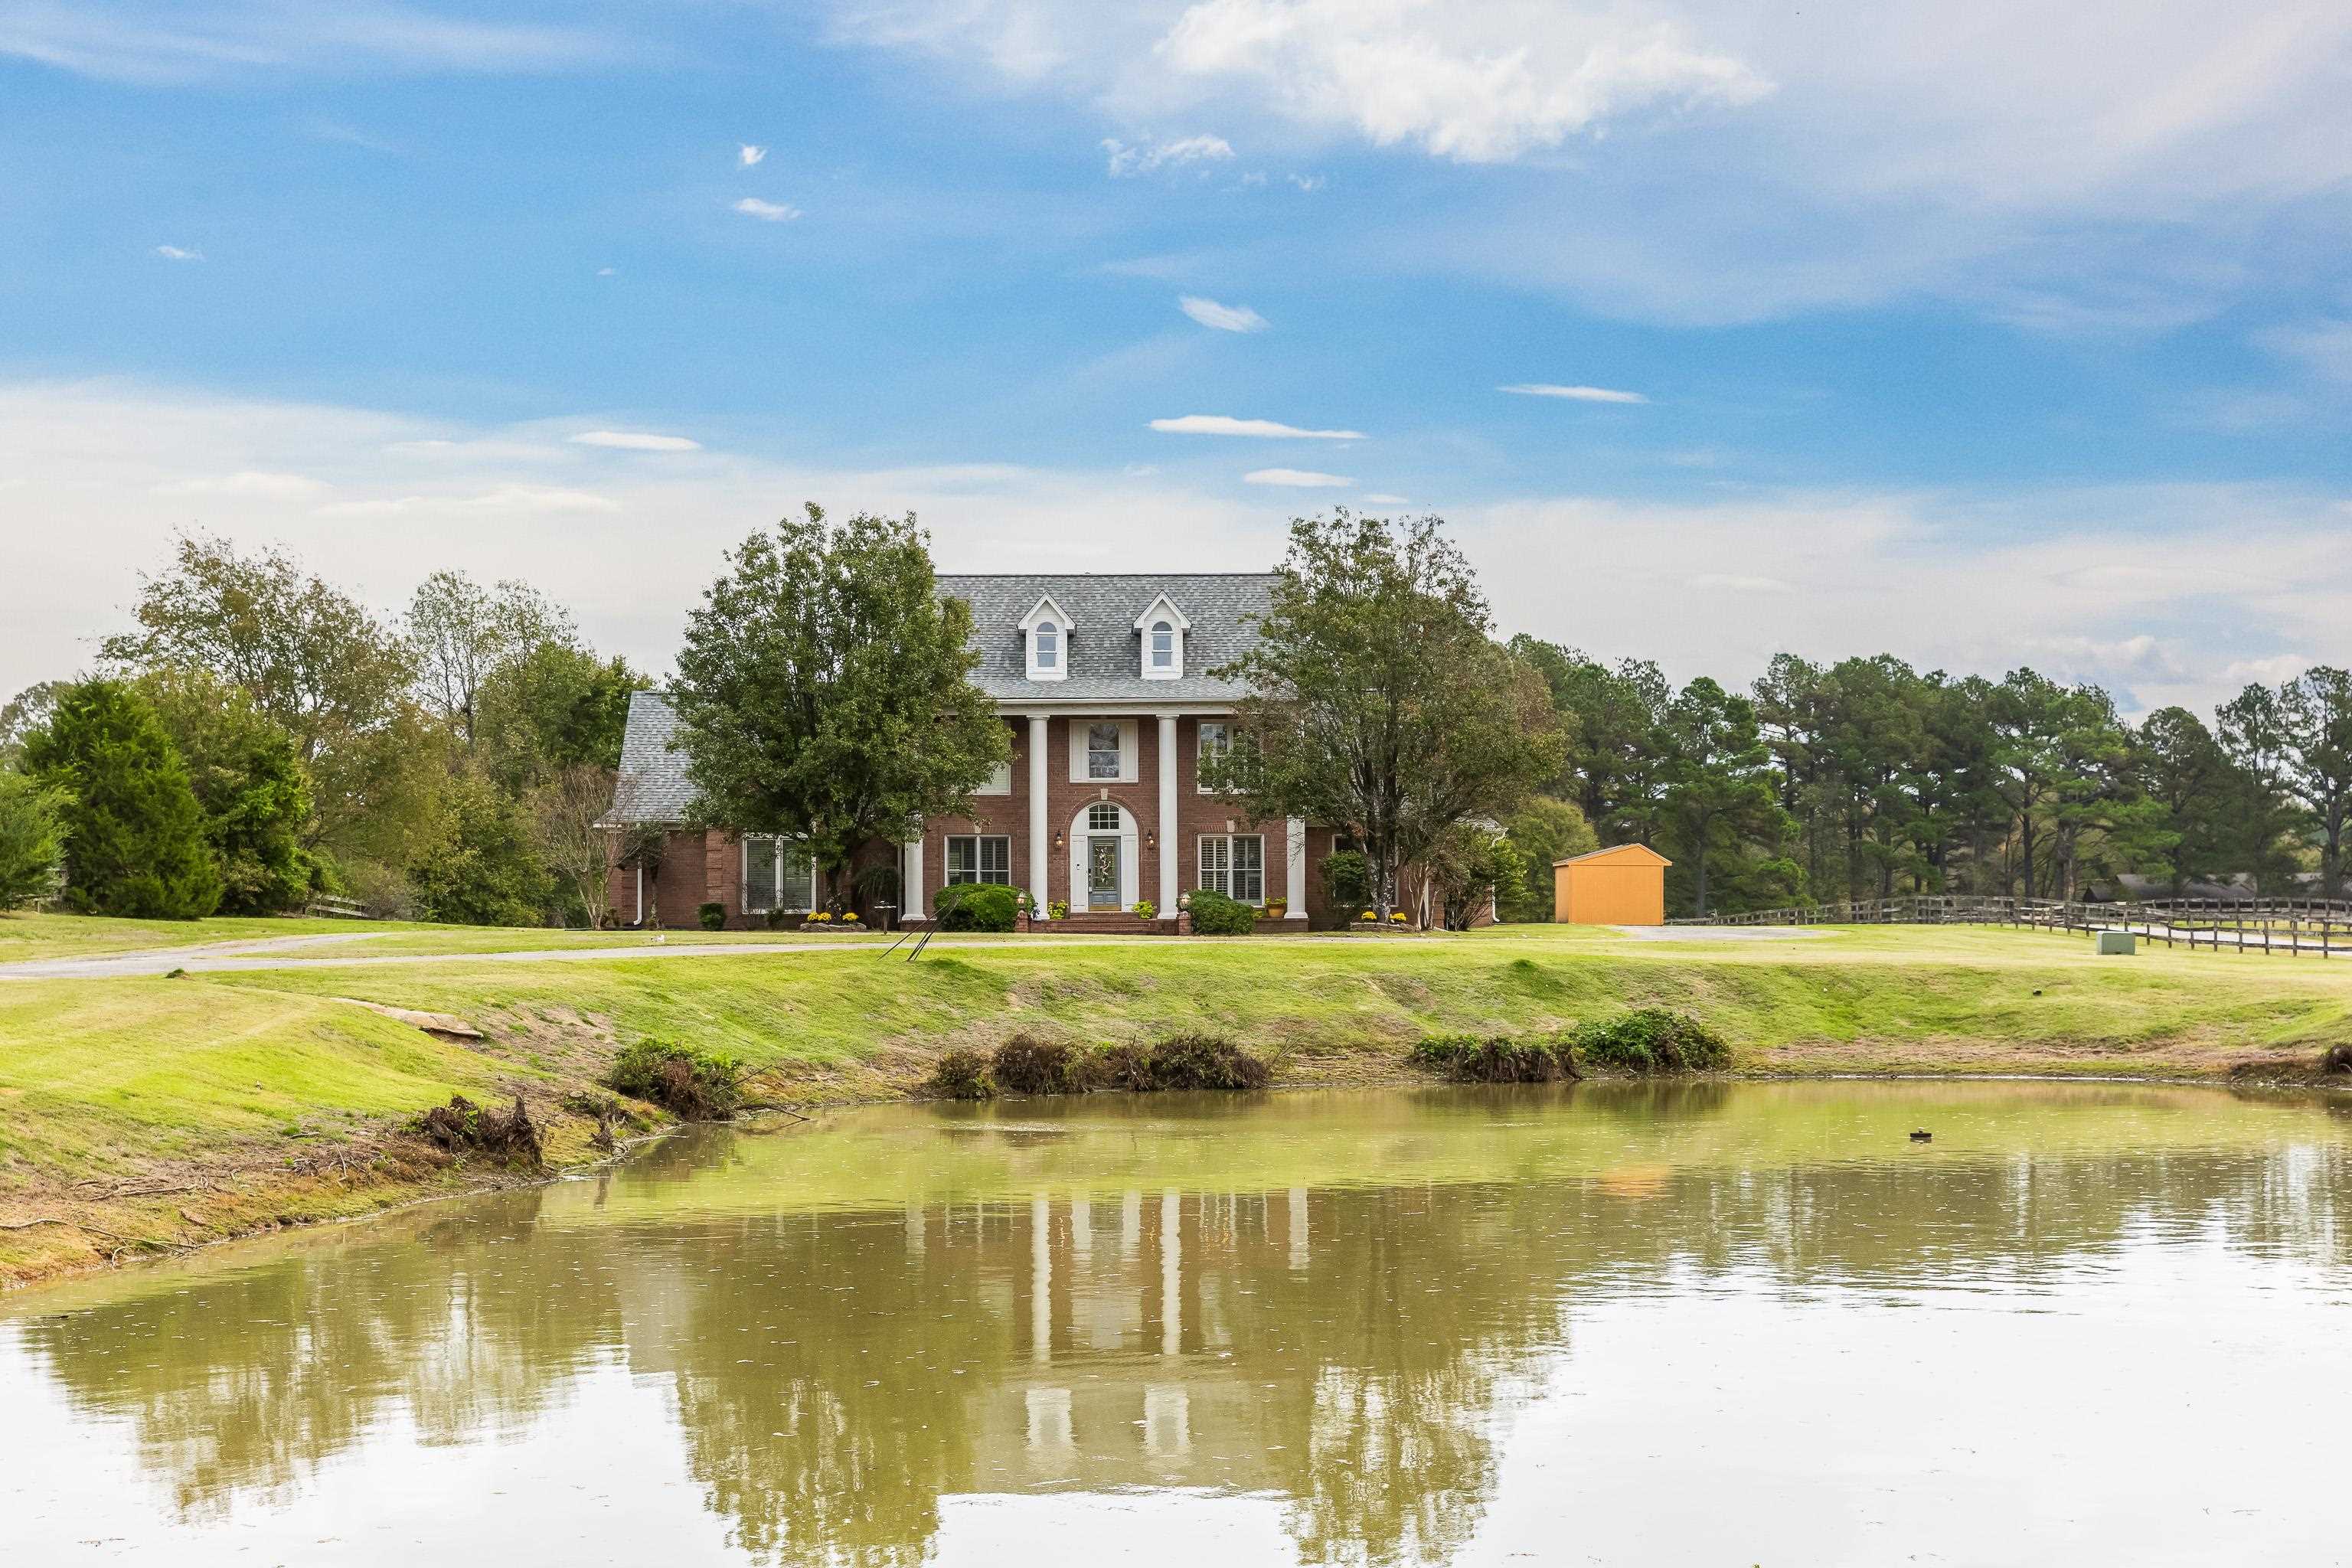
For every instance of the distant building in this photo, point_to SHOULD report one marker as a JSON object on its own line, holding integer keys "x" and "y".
{"x": 1625, "y": 886}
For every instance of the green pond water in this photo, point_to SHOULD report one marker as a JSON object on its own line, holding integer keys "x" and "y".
{"x": 1716, "y": 1324}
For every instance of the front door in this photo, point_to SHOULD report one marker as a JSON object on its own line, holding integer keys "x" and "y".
{"x": 1102, "y": 873}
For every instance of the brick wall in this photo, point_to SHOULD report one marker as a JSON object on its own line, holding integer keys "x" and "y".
{"x": 1065, "y": 799}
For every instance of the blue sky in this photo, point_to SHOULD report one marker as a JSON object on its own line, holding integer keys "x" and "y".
{"x": 1979, "y": 336}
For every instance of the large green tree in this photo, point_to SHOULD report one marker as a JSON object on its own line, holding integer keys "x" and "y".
{"x": 824, "y": 690}
{"x": 318, "y": 662}
{"x": 249, "y": 779}
{"x": 2297, "y": 737}
{"x": 135, "y": 834}
{"x": 32, "y": 838}
{"x": 1378, "y": 700}
{"x": 1543, "y": 830}
{"x": 462, "y": 634}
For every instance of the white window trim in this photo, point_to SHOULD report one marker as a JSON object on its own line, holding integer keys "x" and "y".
{"x": 743, "y": 876}
{"x": 1130, "y": 751}
{"x": 1200, "y": 748}
{"x": 1201, "y": 869}
{"x": 946, "y": 858}
{"x": 1047, "y": 611}
{"x": 1162, "y": 608}
{"x": 999, "y": 782}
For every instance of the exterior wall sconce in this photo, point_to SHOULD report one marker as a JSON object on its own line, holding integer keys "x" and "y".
{"x": 1057, "y": 839}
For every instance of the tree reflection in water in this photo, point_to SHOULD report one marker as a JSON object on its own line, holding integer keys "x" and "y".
{"x": 993, "y": 1306}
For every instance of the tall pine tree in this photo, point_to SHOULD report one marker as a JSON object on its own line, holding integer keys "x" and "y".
{"x": 135, "y": 836}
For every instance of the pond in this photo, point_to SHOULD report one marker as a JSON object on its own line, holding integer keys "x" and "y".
{"x": 1609, "y": 1323}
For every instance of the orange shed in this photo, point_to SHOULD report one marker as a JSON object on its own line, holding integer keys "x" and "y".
{"x": 1621, "y": 887}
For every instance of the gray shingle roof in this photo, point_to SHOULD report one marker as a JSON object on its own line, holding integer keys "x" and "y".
{"x": 1104, "y": 661}
{"x": 653, "y": 786}
{"x": 1106, "y": 654}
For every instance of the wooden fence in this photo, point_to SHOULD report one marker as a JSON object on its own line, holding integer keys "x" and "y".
{"x": 2318, "y": 928}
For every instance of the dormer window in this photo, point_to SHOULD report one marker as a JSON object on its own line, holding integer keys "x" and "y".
{"x": 1046, "y": 629}
{"x": 1160, "y": 632}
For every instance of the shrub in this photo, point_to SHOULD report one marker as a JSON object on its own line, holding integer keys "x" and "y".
{"x": 963, "y": 1075}
{"x": 461, "y": 1127}
{"x": 1467, "y": 1059}
{"x": 1025, "y": 1066}
{"x": 1145, "y": 908}
{"x": 1650, "y": 1040}
{"x": 1123, "y": 1067}
{"x": 976, "y": 906}
{"x": 1214, "y": 915}
{"x": 713, "y": 916}
{"x": 691, "y": 1084}
{"x": 1204, "y": 1061}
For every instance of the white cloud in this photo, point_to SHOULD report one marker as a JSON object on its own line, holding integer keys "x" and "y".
{"x": 636, "y": 441}
{"x": 1386, "y": 500}
{"x": 1224, "y": 318}
{"x": 2101, "y": 166}
{"x": 1225, "y": 425}
{"x": 1299, "y": 478}
{"x": 2105, "y": 564}
{"x": 1475, "y": 83}
{"x": 748, "y": 156}
{"x": 1308, "y": 182}
{"x": 169, "y": 40}
{"x": 1735, "y": 583}
{"x": 174, "y": 253}
{"x": 509, "y": 498}
{"x": 2323, "y": 347}
{"x": 1573, "y": 393}
{"x": 252, "y": 482}
{"x": 1126, "y": 161}
{"x": 767, "y": 211}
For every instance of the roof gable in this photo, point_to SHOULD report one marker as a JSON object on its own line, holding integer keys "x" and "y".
{"x": 1620, "y": 854}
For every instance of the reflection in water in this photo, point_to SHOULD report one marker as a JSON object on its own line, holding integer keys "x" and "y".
{"x": 1340, "y": 1303}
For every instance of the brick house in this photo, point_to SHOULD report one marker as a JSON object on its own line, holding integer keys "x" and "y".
{"x": 1103, "y": 682}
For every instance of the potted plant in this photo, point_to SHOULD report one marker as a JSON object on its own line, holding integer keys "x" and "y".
{"x": 1276, "y": 909}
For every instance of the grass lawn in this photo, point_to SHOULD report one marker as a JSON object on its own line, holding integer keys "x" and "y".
{"x": 220, "y": 1090}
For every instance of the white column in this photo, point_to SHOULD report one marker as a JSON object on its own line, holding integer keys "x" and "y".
{"x": 1041, "y": 1280}
{"x": 1168, "y": 837}
{"x": 911, "y": 896}
{"x": 1039, "y": 840}
{"x": 1298, "y": 889}
{"x": 1171, "y": 1275}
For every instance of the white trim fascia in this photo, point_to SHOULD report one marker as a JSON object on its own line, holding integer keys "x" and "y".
{"x": 1061, "y": 615}
{"x": 1042, "y": 707}
{"x": 1173, "y": 613}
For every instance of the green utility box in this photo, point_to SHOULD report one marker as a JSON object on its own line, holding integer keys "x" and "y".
{"x": 2116, "y": 942}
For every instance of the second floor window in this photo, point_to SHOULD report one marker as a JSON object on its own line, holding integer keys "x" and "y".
{"x": 1049, "y": 644}
{"x": 1102, "y": 750}
{"x": 1216, "y": 739}
{"x": 1163, "y": 645}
